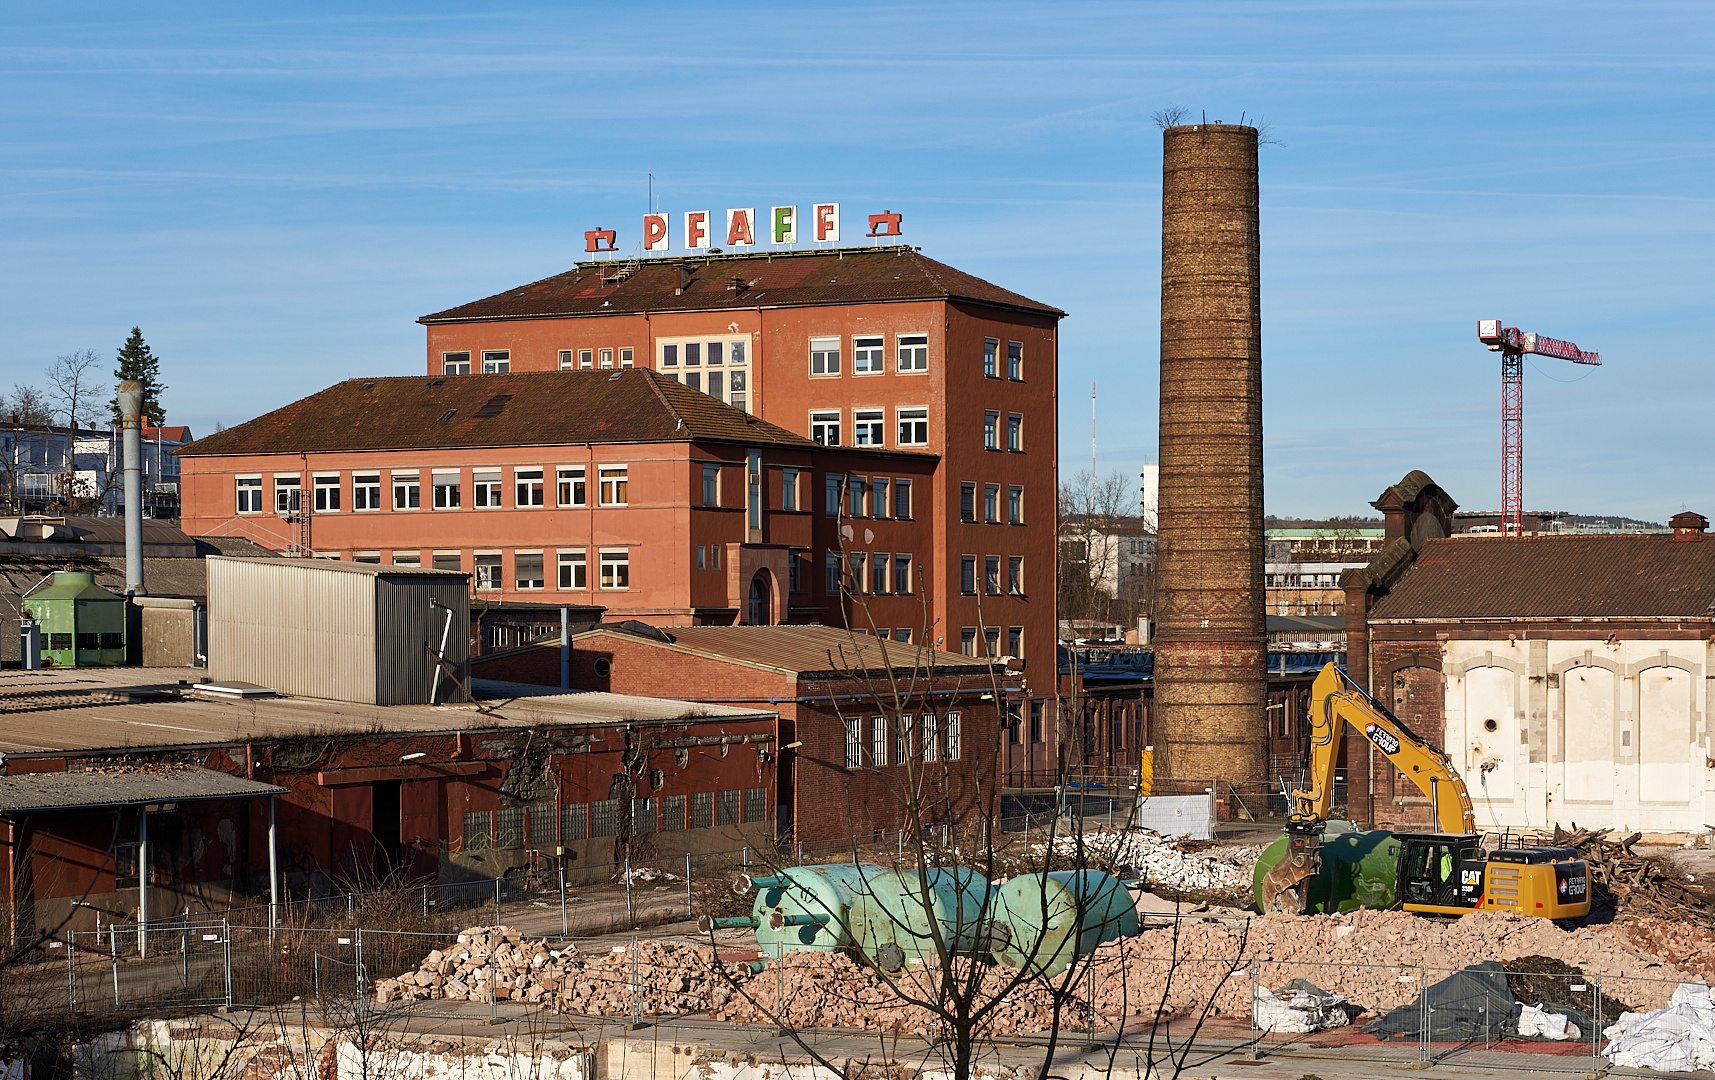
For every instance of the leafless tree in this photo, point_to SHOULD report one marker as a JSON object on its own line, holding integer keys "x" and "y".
{"x": 1168, "y": 117}
{"x": 1097, "y": 517}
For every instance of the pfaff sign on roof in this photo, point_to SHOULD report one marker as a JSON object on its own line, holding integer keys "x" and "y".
{"x": 700, "y": 230}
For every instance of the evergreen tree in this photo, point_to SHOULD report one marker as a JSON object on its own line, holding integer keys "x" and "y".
{"x": 137, "y": 362}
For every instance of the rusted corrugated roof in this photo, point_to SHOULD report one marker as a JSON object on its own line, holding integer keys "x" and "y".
{"x": 543, "y": 408}
{"x": 129, "y": 786}
{"x": 804, "y": 649}
{"x": 783, "y": 279}
{"x": 1556, "y": 577}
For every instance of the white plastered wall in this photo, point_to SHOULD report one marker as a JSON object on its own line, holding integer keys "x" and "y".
{"x": 1602, "y": 733}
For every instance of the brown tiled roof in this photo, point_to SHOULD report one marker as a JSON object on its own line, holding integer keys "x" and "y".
{"x": 805, "y": 649}
{"x": 781, "y": 279}
{"x": 1556, "y": 577}
{"x": 545, "y": 408}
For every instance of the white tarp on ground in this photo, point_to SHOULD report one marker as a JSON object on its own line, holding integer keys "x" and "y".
{"x": 1543, "y": 1024}
{"x": 1183, "y": 817}
{"x": 1296, "y": 1010}
{"x": 1679, "y": 1038}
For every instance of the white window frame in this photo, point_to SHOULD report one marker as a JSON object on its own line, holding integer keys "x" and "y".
{"x": 912, "y": 424}
{"x": 854, "y": 742}
{"x": 902, "y": 584}
{"x": 878, "y": 741}
{"x": 901, "y": 494}
{"x": 326, "y": 484}
{"x": 455, "y": 363}
{"x": 495, "y": 582}
{"x": 872, "y": 421}
{"x": 413, "y": 557}
{"x": 991, "y": 430}
{"x": 615, "y": 484}
{"x": 820, "y": 419}
{"x": 615, "y": 564}
{"x": 529, "y": 487}
{"x": 248, "y": 485}
{"x": 402, "y": 483}
{"x": 486, "y": 487}
{"x": 789, "y": 488}
{"x": 916, "y": 361}
{"x": 438, "y": 488}
{"x": 954, "y": 736}
{"x": 825, "y": 361}
{"x": 571, "y": 485}
{"x": 1015, "y": 504}
{"x": 586, "y": 359}
{"x": 991, "y": 358}
{"x": 627, "y": 357}
{"x": 566, "y": 360}
{"x": 365, "y": 490}
{"x": 604, "y": 359}
{"x": 1015, "y": 432}
{"x": 572, "y": 569}
{"x": 1015, "y": 361}
{"x": 869, "y": 355}
{"x": 541, "y": 583}
{"x": 284, "y": 485}
{"x": 496, "y": 361}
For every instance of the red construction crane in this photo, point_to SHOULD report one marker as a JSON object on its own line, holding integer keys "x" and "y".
{"x": 1512, "y": 344}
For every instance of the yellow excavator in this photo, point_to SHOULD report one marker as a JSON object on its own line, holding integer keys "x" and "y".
{"x": 1440, "y": 873}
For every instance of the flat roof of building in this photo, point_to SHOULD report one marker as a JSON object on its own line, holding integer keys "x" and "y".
{"x": 126, "y": 785}
{"x": 806, "y": 650}
{"x": 85, "y": 710}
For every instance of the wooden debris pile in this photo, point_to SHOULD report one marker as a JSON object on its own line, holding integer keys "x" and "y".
{"x": 1630, "y": 885}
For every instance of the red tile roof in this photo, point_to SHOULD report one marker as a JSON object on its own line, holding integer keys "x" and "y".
{"x": 1556, "y": 577}
{"x": 547, "y": 408}
{"x": 781, "y": 279}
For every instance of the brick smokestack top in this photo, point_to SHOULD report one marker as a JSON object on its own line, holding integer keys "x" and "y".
{"x": 1211, "y": 655}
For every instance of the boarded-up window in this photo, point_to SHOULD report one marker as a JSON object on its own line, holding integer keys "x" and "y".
{"x": 755, "y": 803}
{"x": 476, "y": 830}
{"x": 604, "y": 817}
{"x": 728, "y": 806}
{"x": 672, "y": 813}
{"x": 574, "y": 822}
{"x": 511, "y": 833}
{"x": 702, "y": 809}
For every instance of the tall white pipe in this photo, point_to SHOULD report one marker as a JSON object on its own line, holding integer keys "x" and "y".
{"x": 274, "y": 909}
{"x": 143, "y": 881}
{"x": 131, "y": 413}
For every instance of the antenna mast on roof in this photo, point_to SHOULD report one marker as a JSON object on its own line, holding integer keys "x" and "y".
{"x": 1092, "y": 442}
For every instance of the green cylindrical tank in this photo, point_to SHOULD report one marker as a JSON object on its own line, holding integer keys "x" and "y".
{"x": 83, "y": 625}
{"x": 891, "y": 923}
{"x": 807, "y": 907}
{"x": 1359, "y": 870}
{"x": 1052, "y": 919}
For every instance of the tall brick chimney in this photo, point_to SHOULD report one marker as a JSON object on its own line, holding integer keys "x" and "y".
{"x": 1211, "y": 653}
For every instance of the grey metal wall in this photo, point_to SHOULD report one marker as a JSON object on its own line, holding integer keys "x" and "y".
{"x": 296, "y": 627}
{"x": 406, "y": 621}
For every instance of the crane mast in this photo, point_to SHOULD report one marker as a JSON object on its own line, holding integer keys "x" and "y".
{"x": 1513, "y": 344}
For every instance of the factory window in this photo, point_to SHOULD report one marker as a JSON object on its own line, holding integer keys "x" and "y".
{"x": 406, "y": 491}
{"x": 914, "y": 352}
{"x": 825, "y": 356}
{"x": 510, "y": 834}
{"x": 446, "y": 485}
{"x": 991, "y": 431}
{"x": 1015, "y": 360}
{"x": 868, "y": 355}
{"x": 825, "y": 428}
{"x": 1015, "y": 575}
{"x": 615, "y": 484}
{"x": 541, "y": 820}
{"x": 249, "y": 494}
{"x": 789, "y": 489}
{"x": 728, "y": 806}
{"x": 565, "y": 359}
{"x": 702, "y": 809}
{"x": 755, "y": 803}
{"x": 1015, "y": 641}
{"x": 574, "y": 822}
{"x": 902, "y": 740}
{"x": 931, "y": 736}
{"x": 902, "y": 500}
{"x": 477, "y": 829}
{"x": 327, "y": 494}
{"x": 902, "y": 576}
{"x": 455, "y": 363}
{"x": 366, "y": 491}
{"x": 604, "y": 817}
{"x": 527, "y": 569}
{"x": 288, "y": 494}
{"x": 711, "y": 485}
{"x": 529, "y": 485}
{"x": 486, "y": 488}
{"x": 854, "y": 742}
{"x": 913, "y": 426}
{"x": 607, "y": 358}
{"x": 990, "y": 348}
{"x": 643, "y": 810}
{"x": 991, "y": 502}
{"x": 574, "y": 570}
{"x": 1015, "y": 505}
{"x": 869, "y": 427}
{"x": 831, "y": 504}
{"x": 968, "y": 574}
{"x": 672, "y": 813}
{"x": 447, "y": 560}
{"x": 1015, "y": 432}
{"x": 616, "y": 569}
{"x": 878, "y": 573}
{"x": 488, "y": 571}
{"x": 968, "y": 641}
{"x": 991, "y": 641}
{"x": 878, "y": 741}
{"x": 967, "y": 502}
{"x": 496, "y": 362}
{"x": 571, "y": 480}
{"x": 954, "y": 745}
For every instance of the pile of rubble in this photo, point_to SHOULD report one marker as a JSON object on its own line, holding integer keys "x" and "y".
{"x": 1631, "y": 885}
{"x": 496, "y": 963}
{"x": 1173, "y": 868}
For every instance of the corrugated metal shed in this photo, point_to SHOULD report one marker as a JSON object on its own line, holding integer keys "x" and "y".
{"x": 106, "y": 788}
{"x": 341, "y": 631}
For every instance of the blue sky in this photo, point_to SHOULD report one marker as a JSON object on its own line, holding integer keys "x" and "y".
{"x": 275, "y": 196}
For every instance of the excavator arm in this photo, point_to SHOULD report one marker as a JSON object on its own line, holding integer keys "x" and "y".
{"x": 1335, "y": 702}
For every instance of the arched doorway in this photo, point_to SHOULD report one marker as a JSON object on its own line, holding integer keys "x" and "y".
{"x": 759, "y": 610}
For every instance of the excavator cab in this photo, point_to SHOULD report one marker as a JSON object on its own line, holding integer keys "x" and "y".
{"x": 1440, "y": 872}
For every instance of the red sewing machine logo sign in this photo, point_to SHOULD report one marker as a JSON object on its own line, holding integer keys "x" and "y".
{"x": 700, "y": 228}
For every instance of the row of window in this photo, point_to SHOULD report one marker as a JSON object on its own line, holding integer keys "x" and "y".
{"x": 878, "y": 573}
{"x": 991, "y": 641}
{"x": 866, "y": 496}
{"x": 1312, "y": 607}
{"x": 937, "y": 738}
{"x": 992, "y": 509}
{"x": 910, "y": 427}
{"x": 535, "y": 825}
{"x": 1302, "y": 581}
{"x": 528, "y": 567}
{"x": 494, "y": 362}
{"x": 530, "y": 488}
{"x": 993, "y": 583}
{"x": 1013, "y": 720}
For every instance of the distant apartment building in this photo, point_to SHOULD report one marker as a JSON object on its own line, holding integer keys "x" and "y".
{"x": 1106, "y": 568}
{"x": 622, "y": 489}
{"x": 1302, "y": 575}
{"x": 875, "y": 348}
{"x": 48, "y": 469}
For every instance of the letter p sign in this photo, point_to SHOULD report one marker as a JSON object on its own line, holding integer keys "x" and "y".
{"x": 654, "y": 232}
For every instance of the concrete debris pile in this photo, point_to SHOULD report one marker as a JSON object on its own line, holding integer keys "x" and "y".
{"x": 1171, "y": 867}
{"x": 496, "y": 963}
